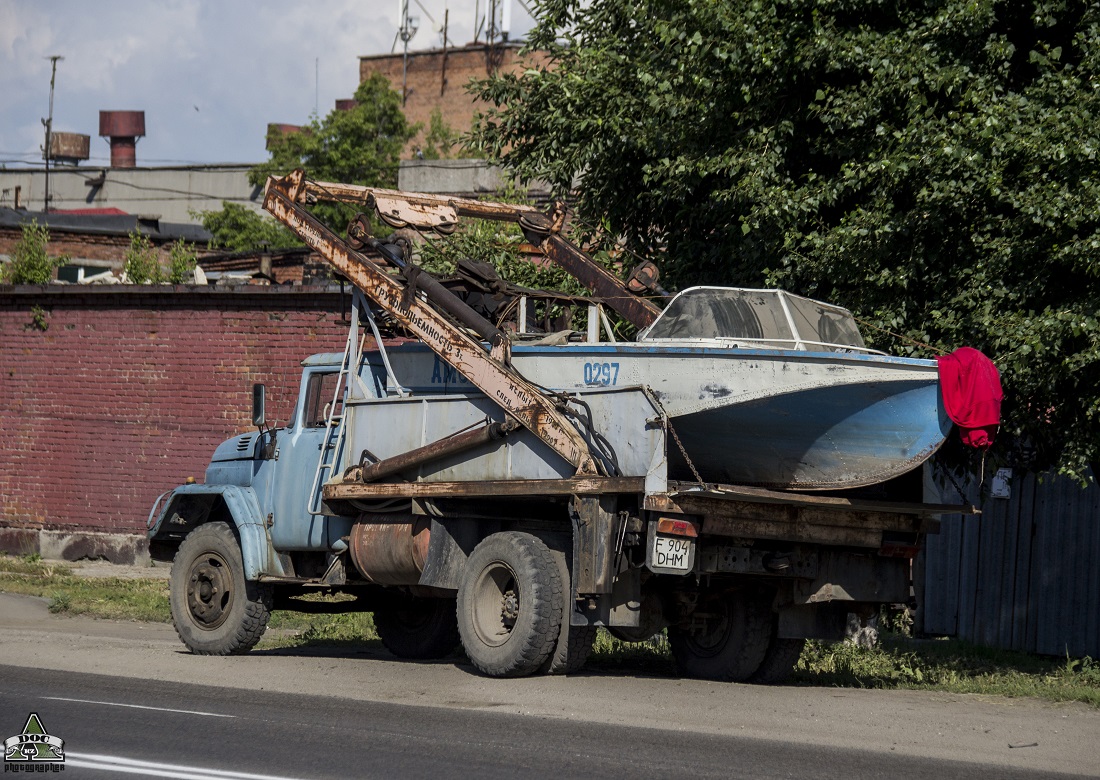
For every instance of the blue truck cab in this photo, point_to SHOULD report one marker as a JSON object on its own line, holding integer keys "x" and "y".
{"x": 262, "y": 484}
{"x": 253, "y": 521}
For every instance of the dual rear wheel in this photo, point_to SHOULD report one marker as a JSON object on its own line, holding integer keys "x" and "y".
{"x": 511, "y": 613}
{"x": 733, "y": 637}
{"x": 510, "y": 605}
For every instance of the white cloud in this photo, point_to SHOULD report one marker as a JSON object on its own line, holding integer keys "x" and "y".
{"x": 242, "y": 63}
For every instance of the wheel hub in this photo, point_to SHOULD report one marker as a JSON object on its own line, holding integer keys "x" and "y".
{"x": 209, "y": 591}
{"x": 496, "y": 604}
{"x": 509, "y": 608}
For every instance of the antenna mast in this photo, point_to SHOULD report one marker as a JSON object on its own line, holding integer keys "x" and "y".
{"x": 408, "y": 28}
{"x": 49, "y": 129}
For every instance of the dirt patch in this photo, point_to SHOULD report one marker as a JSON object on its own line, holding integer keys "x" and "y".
{"x": 149, "y": 571}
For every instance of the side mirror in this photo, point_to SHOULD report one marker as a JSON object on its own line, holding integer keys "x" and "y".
{"x": 259, "y": 418}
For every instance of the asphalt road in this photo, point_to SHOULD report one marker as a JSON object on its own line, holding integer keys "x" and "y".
{"x": 125, "y": 699}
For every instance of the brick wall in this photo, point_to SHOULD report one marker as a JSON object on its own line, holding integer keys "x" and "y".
{"x": 107, "y": 248}
{"x": 129, "y": 390}
{"x": 438, "y": 79}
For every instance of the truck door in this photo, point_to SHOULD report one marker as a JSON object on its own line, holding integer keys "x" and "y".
{"x": 299, "y": 452}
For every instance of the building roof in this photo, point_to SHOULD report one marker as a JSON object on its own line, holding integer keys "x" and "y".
{"x": 105, "y": 224}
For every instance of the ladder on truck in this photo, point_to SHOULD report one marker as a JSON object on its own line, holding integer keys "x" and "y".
{"x": 347, "y": 378}
{"x": 489, "y": 371}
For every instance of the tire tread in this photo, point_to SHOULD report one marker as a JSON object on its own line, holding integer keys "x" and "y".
{"x": 531, "y": 560}
{"x": 257, "y": 597}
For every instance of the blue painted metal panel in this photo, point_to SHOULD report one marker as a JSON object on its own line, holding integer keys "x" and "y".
{"x": 390, "y": 426}
{"x": 256, "y": 551}
{"x": 1022, "y": 569}
{"x": 853, "y": 433}
{"x": 1092, "y": 607}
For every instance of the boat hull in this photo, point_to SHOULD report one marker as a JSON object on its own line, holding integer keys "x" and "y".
{"x": 773, "y": 418}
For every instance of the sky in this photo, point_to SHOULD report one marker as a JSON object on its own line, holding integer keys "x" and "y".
{"x": 209, "y": 74}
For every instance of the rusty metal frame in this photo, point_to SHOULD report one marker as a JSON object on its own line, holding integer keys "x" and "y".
{"x": 689, "y": 491}
{"x": 755, "y": 513}
{"x": 504, "y": 386}
{"x": 594, "y": 522}
{"x": 504, "y": 488}
{"x": 441, "y": 213}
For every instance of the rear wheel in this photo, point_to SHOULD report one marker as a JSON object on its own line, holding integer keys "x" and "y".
{"x": 780, "y": 658}
{"x": 214, "y": 609}
{"x": 779, "y": 661}
{"x": 510, "y": 605}
{"x": 574, "y": 643}
{"x": 418, "y": 628}
{"x": 727, "y": 638}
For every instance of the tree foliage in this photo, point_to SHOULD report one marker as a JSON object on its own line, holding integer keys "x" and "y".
{"x": 237, "y": 228}
{"x": 142, "y": 265}
{"x": 359, "y": 146}
{"x": 30, "y": 260}
{"x": 440, "y": 140}
{"x": 181, "y": 262}
{"x": 932, "y": 165}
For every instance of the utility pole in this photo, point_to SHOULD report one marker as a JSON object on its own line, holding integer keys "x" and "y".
{"x": 49, "y": 128}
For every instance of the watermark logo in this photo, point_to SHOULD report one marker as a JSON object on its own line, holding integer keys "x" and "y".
{"x": 34, "y": 750}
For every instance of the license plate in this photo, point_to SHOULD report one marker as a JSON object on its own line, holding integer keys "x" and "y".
{"x": 672, "y": 552}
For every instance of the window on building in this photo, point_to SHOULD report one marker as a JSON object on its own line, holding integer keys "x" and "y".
{"x": 75, "y": 274}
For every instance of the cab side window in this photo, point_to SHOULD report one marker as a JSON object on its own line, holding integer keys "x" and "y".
{"x": 319, "y": 392}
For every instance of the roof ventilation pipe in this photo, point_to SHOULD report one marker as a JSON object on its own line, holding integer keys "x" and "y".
{"x": 122, "y": 129}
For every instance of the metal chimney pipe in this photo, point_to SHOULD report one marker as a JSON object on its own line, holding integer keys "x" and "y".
{"x": 122, "y": 129}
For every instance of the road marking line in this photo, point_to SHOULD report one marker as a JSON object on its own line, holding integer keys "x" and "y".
{"x": 134, "y": 766}
{"x": 139, "y": 707}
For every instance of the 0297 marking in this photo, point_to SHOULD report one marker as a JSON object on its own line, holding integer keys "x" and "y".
{"x": 601, "y": 374}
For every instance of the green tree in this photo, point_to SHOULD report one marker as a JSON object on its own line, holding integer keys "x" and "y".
{"x": 932, "y": 165}
{"x": 181, "y": 261}
{"x": 30, "y": 261}
{"x": 240, "y": 229}
{"x": 441, "y": 140}
{"x": 142, "y": 264}
{"x": 359, "y": 146}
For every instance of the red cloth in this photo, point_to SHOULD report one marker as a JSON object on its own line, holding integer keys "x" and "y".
{"x": 972, "y": 394}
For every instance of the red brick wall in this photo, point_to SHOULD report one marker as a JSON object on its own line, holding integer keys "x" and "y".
{"x": 129, "y": 390}
{"x": 438, "y": 82}
{"x": 86, "y": 246}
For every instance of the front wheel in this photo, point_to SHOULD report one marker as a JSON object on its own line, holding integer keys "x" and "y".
{"x": 510, "y": 605}
{"x": 215, "y": 611}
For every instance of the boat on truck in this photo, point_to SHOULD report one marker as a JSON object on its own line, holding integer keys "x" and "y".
{"x": 762, "y": 388}
{"x": 507, "y": 516}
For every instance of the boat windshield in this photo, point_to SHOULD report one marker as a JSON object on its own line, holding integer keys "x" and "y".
{"x": 770, "y": 318}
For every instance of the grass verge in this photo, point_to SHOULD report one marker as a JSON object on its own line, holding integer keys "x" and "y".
{"x": 897, "y": 662}
{"x": 102, "y": 597}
